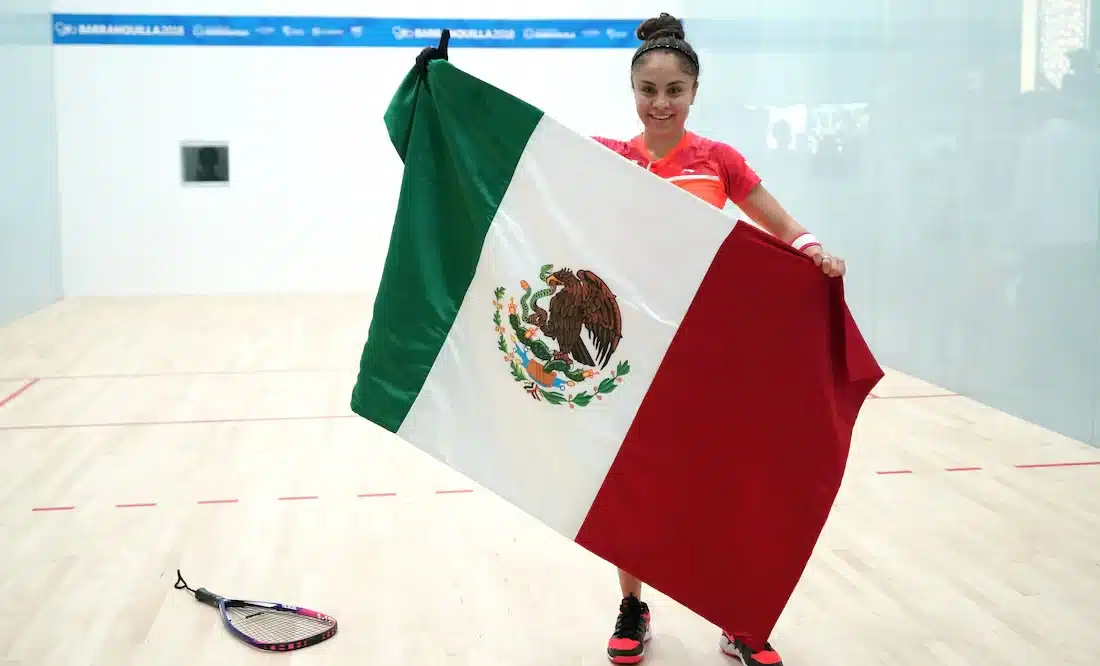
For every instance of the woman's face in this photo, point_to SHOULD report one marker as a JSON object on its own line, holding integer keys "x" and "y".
{"x": 663, "y": 93}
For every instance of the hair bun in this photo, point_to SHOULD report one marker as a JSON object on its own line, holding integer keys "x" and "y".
{"x": 665, "y": 25}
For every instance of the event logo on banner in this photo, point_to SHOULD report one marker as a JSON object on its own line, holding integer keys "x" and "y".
{"x": 158, "y": 30}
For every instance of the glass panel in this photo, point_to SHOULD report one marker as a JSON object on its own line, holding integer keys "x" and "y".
{"x": 949, "y": 150}
{"x": 30, "y": 240}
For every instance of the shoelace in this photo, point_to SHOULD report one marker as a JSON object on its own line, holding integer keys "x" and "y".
{"x": 629, "y": 624}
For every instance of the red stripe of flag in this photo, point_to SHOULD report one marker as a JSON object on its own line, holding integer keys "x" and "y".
{"x": 725, "y": 479}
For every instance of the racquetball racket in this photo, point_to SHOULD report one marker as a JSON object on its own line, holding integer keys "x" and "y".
{"x": 267, "y": 625}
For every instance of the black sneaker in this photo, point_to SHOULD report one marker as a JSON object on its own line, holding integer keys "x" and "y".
{"x": 733, "y": 645}
{"x": 627, "y": 644}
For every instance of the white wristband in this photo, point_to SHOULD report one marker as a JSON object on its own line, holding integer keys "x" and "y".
{"x": 805, "y": 242}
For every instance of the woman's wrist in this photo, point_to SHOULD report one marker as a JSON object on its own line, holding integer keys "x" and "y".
{"x": 807, "y": 243}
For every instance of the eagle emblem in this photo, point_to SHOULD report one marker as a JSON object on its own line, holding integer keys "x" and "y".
{"x": 560, "y": 351}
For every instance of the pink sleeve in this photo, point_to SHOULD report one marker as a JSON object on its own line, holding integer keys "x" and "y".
{"x": 738, "y": 177}
{"x": 619, "y": 147}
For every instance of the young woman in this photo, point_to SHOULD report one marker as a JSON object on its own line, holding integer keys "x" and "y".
{"x": 665, "y": 78}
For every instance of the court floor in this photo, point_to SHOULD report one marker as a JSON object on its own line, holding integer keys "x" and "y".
{"x": 213, "y": 435}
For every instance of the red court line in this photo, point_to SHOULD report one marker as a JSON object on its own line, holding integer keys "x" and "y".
{"x": 132, "y": 424}
{"x": 19, "y": 391}
{"x": 183, "y": 373}
{"x": 470, "y": 490}
{"x": 1083, "y": 463}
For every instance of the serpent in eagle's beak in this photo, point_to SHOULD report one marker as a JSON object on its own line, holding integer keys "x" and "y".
{"x": 553, "y": 281}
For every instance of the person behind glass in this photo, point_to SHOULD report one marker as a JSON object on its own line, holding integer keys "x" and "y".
{"x": 208, "y": 169}
{"x": 665, "y": 79}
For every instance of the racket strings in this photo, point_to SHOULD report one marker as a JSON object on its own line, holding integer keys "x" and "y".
{"x": 273, "y": 626}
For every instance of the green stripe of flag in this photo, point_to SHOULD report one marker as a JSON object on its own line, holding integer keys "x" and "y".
{"x": 466, "y": 138}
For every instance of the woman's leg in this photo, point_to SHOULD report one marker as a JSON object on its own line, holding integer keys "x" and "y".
{"x": 627, "y": 644}
{"x": 629, "y": 585}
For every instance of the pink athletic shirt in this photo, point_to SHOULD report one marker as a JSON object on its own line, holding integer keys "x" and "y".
{"x": 711, "y": 170}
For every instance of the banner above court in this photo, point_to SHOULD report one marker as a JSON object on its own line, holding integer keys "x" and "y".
{"x": 327, "y": 31}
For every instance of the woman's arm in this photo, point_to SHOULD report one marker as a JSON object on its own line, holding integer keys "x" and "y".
{"x": 744, "y": 188}
{"x": 766, "y": 211}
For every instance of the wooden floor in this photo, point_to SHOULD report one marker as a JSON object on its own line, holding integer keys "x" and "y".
{"x": 213, "y": 435}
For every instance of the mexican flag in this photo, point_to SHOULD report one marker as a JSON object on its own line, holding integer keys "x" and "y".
{"x": 670, "y": 388}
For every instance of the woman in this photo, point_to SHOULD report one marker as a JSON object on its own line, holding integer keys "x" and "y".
{"x": 665, "y": 78}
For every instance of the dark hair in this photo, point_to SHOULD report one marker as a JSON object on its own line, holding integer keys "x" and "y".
{"x": 666, "y": 33}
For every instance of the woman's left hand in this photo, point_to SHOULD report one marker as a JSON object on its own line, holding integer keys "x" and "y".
{"x": 830, "y": 264}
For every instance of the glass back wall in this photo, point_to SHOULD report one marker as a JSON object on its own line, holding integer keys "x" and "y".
{"x": 949, "y": 150}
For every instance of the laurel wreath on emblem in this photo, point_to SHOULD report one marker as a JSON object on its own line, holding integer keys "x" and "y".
{"x": 579, "y": 302}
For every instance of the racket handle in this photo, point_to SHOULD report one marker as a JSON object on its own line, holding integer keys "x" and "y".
{"x": 206, "y": 596}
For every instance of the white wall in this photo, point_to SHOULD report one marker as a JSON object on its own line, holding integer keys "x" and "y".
{"x": 30, "y": 261}
{"x": 314, "y": 179}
